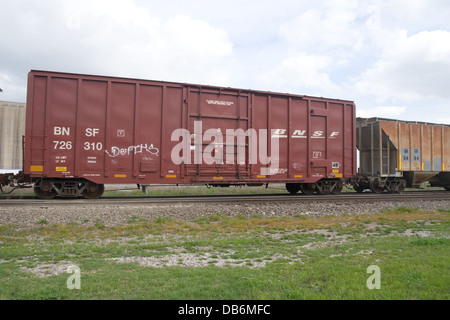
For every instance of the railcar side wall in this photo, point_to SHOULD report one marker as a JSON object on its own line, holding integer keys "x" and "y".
{"x": 114, "y": 130}
{"x": 416, "y": 151}
{"x": 388, "y": 146}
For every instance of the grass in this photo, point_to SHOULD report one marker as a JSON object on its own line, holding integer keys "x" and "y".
{"x": 221, "y": 257}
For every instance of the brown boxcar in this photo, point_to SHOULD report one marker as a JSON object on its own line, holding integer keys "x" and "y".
{"x": 396, "y": 154}
{"x": 84, "y": 131}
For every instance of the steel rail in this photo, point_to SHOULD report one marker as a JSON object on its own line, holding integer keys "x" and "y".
{"x": 240, "y": 198}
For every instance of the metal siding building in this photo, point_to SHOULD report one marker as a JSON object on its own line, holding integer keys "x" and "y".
{"x": 12, "y": 129}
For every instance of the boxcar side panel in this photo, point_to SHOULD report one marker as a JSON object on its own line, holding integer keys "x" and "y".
{"x": 298, "y": 143}
{"x": 35, "y": 127}
{"x": 171, "y": 120}
{"x": 278, "y": 128}
{"x": 91, "y": 129}
{"x": 148, "y": 132}
{"x": 113, "y": 130}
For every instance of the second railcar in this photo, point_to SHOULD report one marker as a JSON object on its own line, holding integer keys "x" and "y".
{"x": 84, "y": 131}
{"x": 396, "y": 154}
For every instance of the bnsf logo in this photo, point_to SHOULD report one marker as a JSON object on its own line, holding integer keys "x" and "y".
{"x": 301, "y": 134}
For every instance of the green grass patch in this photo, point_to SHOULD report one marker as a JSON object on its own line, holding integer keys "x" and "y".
{"x": 222, "y": 257}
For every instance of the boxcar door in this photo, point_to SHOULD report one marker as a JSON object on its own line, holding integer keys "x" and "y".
{"x": 216, "y": 117}
{"x": 318, "y": 139}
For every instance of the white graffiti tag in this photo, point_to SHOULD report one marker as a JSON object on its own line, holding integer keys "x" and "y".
{"x": 141, "y": 148}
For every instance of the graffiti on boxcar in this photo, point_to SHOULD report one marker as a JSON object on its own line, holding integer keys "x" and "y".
{"x": 137, "y": 149}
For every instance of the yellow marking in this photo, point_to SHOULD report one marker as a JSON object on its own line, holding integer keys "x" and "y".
{"x": 298, "y": 176}
{"x": 400, "y": 162}
{"x": 422, "y": 166}
{"x": 338, "y": 175}
{"x": 37, "y": 168}
{"x": 120, "y": 176}
{"x": 335, "y": 171}
{"x": 261, "y": 177}
{"x": 443, "y": 167}
{"x": 61, "y": 169}
{"x": 171, "y": 176}
{"x": 218, "y": 178}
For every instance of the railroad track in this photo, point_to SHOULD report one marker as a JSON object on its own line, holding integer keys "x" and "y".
{"x": 240, "y": 198}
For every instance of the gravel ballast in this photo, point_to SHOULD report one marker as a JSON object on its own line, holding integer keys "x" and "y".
{"x": 113, "y": 215}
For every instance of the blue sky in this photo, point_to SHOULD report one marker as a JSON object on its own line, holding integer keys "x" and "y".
{"x": 391, "y": 57}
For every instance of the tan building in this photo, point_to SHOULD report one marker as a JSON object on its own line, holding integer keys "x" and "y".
{"x": 12, "y": 128}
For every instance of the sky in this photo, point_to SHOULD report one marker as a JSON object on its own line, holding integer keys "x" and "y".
{"x": 392, "y": 58}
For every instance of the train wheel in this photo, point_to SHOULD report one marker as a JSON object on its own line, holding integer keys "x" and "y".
{"x": 400, "y": 188}
{"x": 358, "y": 188}
{"x": 308, "y": 188}
{"x": 93, "y": 191}
{"x": 338, "y": 187}
{"x": 396, "y": 186}
{"x": 44, "y": 190}
{"x": 375, "y": 187}
{"x": 293, "y": 188}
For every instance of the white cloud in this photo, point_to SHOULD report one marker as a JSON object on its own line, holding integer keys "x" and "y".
{"x": 325, "y": 28}
{"x": 375, "y": 52}
{"x": 410, "y": 68}
{"x": 133, "y": 43}
{"x": 117, "y": 38}
{"x": 417, "y": 14}
{"x": 10, "y": 84}
{"x": 393, "y": 112}
{"x": 302, "y": 72}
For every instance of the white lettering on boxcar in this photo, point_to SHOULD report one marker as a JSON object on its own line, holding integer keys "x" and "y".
{"x": 62, "y": 145}
{"x": 317, "y": 135}
{"x": 141, "y": 148}
{"x": 220, "y": 103}
{"x": 279, "y": 133}
{"x": 61, "y": 131}
{"x": 299, "y": 134}
{"x": 92, "y": 132}
{"x": 334, "y": 134}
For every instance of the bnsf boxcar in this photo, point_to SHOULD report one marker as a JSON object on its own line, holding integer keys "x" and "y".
{"x": 397, "y": 154}
{"x": 85, "y": 131}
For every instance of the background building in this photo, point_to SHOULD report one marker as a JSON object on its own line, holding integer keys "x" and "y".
{"x": 12, "y": 128}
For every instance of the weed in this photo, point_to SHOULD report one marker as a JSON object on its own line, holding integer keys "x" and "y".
{"x": 133, "y": 219}
{"x": 430, "y": 242}
{"x": 162, "y": 220}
